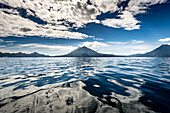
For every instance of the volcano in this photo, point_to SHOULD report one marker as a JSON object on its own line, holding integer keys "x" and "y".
{"x": 86, "y": 52}
{"x": 161, "y": 51}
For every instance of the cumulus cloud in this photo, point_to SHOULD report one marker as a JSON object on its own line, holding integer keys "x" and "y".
{"x": 94, "y": 44}
{"x": 164, "y": 40}
{"x": 52, "y": 18}
{"x": 56, "y": 18}
{"x": 127, "y": 18}
{"x": 126, "y": 21}
{"x": 140, "y": 6}
{"x": 106, "y": 5}
{"x": 14, "y": 25}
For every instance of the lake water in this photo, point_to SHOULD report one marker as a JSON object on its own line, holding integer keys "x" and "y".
{"x": 126, "y": 79}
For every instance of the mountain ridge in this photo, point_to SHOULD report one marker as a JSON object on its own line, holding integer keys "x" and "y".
{"x": 161, "y": 51}
{"x": 20, "y": 54}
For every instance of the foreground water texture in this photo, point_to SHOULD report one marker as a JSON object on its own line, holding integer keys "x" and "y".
{"x": 84, "y": 85}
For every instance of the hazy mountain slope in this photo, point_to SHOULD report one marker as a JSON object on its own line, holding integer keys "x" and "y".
{"x": 162, "y": 51}
{"x": 20, "y": 54}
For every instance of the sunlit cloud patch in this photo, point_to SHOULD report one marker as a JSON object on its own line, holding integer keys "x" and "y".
{"x": 57, "y": 18}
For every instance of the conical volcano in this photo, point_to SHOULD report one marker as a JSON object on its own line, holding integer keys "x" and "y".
{"x": 162, "y": 51}
{"x": 86, "y": 52}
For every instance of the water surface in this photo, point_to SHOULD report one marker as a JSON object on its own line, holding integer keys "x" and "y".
{"x": 145, "y": 80}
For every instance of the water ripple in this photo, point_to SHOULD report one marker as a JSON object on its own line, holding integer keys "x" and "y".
{"x": 128, "y": 79}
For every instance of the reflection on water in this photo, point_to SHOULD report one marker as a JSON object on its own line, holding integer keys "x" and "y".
{"x": 146, "y": 80}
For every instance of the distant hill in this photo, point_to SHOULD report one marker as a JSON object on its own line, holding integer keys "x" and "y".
{"x": 86, "y": 52}
{"x": 162, "y": 51}
{"x": 20, "y": 54}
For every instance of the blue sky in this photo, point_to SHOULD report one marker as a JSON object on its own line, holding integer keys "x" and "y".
{"x": 107, "y": 26}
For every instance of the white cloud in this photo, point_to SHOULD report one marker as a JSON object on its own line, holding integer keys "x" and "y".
{"x": 127, "y": 18}
{"x": 140, "y": 6}
{"x": 47, "y": 49}
{"x": 55, "y": 18}
{"x": 107, "y": 5}
{"x": 119, "y": 43}
{"x": 18, "y": 26}
{"x": 40, "y": 48}
{"x": 94, "y": 45}
{"x": 164, "y": 40}
{"x": 127, "y": 49}
{"x": 126, "y": 21}
{"x": 10, "y": 41}
{"x": 56, "y": 13}
{"x": 137, "y": 41}
{"x": 128, "y": 42}
{"x": 51, "y": 47}
{"x": 140, "y": 47}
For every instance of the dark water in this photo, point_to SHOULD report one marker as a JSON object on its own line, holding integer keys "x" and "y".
{"x": 146, "y": 80}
